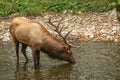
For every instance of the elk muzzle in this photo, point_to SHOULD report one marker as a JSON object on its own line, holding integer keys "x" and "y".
{"x": 72, "y": 60}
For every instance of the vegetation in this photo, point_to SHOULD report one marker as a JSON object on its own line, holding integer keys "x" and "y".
{"x": 36, "y": 7}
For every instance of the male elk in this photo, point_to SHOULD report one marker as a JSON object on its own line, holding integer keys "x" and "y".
{"x": 38, "y": 38}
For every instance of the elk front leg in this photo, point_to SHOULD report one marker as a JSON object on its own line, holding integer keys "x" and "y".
{"x": 36, "y": 57}
{"x": 23, "y": 50}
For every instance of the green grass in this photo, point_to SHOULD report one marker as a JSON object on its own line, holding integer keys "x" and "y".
{"x": 36, "y": 7}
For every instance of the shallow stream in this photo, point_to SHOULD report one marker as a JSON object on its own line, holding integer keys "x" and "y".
{"x": 94, "y": 61}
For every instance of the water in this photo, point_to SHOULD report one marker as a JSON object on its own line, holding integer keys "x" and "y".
{"x": 94, "y": 61}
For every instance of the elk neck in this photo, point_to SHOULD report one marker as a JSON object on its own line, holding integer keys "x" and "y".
{"x": 52, "y": 45}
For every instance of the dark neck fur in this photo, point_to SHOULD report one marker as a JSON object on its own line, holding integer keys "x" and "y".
{"x": 52, "y": 47}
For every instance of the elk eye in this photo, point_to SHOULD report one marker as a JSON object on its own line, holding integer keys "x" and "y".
{"x": 63, "y": 47}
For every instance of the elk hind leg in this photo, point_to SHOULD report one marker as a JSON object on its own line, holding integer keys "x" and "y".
{"x": 23, "y": 50}
{"x": 17, "y": 49}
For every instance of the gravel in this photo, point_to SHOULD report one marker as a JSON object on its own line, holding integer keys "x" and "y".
{"x": 86, "y": 26}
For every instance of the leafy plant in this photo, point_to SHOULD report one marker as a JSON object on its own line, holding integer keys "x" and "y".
{"x": 36, "y": 7}
{"x": 58, "y": 6}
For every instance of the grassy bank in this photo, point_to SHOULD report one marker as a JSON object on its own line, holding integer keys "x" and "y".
{"x": 36, "y": 7}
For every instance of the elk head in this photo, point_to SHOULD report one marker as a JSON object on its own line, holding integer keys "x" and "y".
{"x": 67, "y": 53}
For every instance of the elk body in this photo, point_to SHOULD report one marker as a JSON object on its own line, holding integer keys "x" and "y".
{"x": 38, "y": 38}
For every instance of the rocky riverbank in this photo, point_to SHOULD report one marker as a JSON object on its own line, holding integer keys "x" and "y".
{"x": 86, "y": 26}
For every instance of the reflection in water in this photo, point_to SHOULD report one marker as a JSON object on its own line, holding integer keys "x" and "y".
{"x": 94, "y": 61}
{"x": 22, "y": 72}
{"x": 60, "y": 72}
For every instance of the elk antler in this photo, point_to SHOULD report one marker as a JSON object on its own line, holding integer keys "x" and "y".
{"x": 59, "y": 31}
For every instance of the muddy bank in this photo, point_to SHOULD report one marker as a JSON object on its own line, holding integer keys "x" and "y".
{"x": 86, "y": 26}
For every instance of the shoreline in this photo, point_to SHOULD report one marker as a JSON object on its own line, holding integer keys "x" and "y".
{"x": 86, "y": 26}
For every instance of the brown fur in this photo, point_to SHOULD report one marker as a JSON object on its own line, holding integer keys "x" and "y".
{"x": 35, "y": 35}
